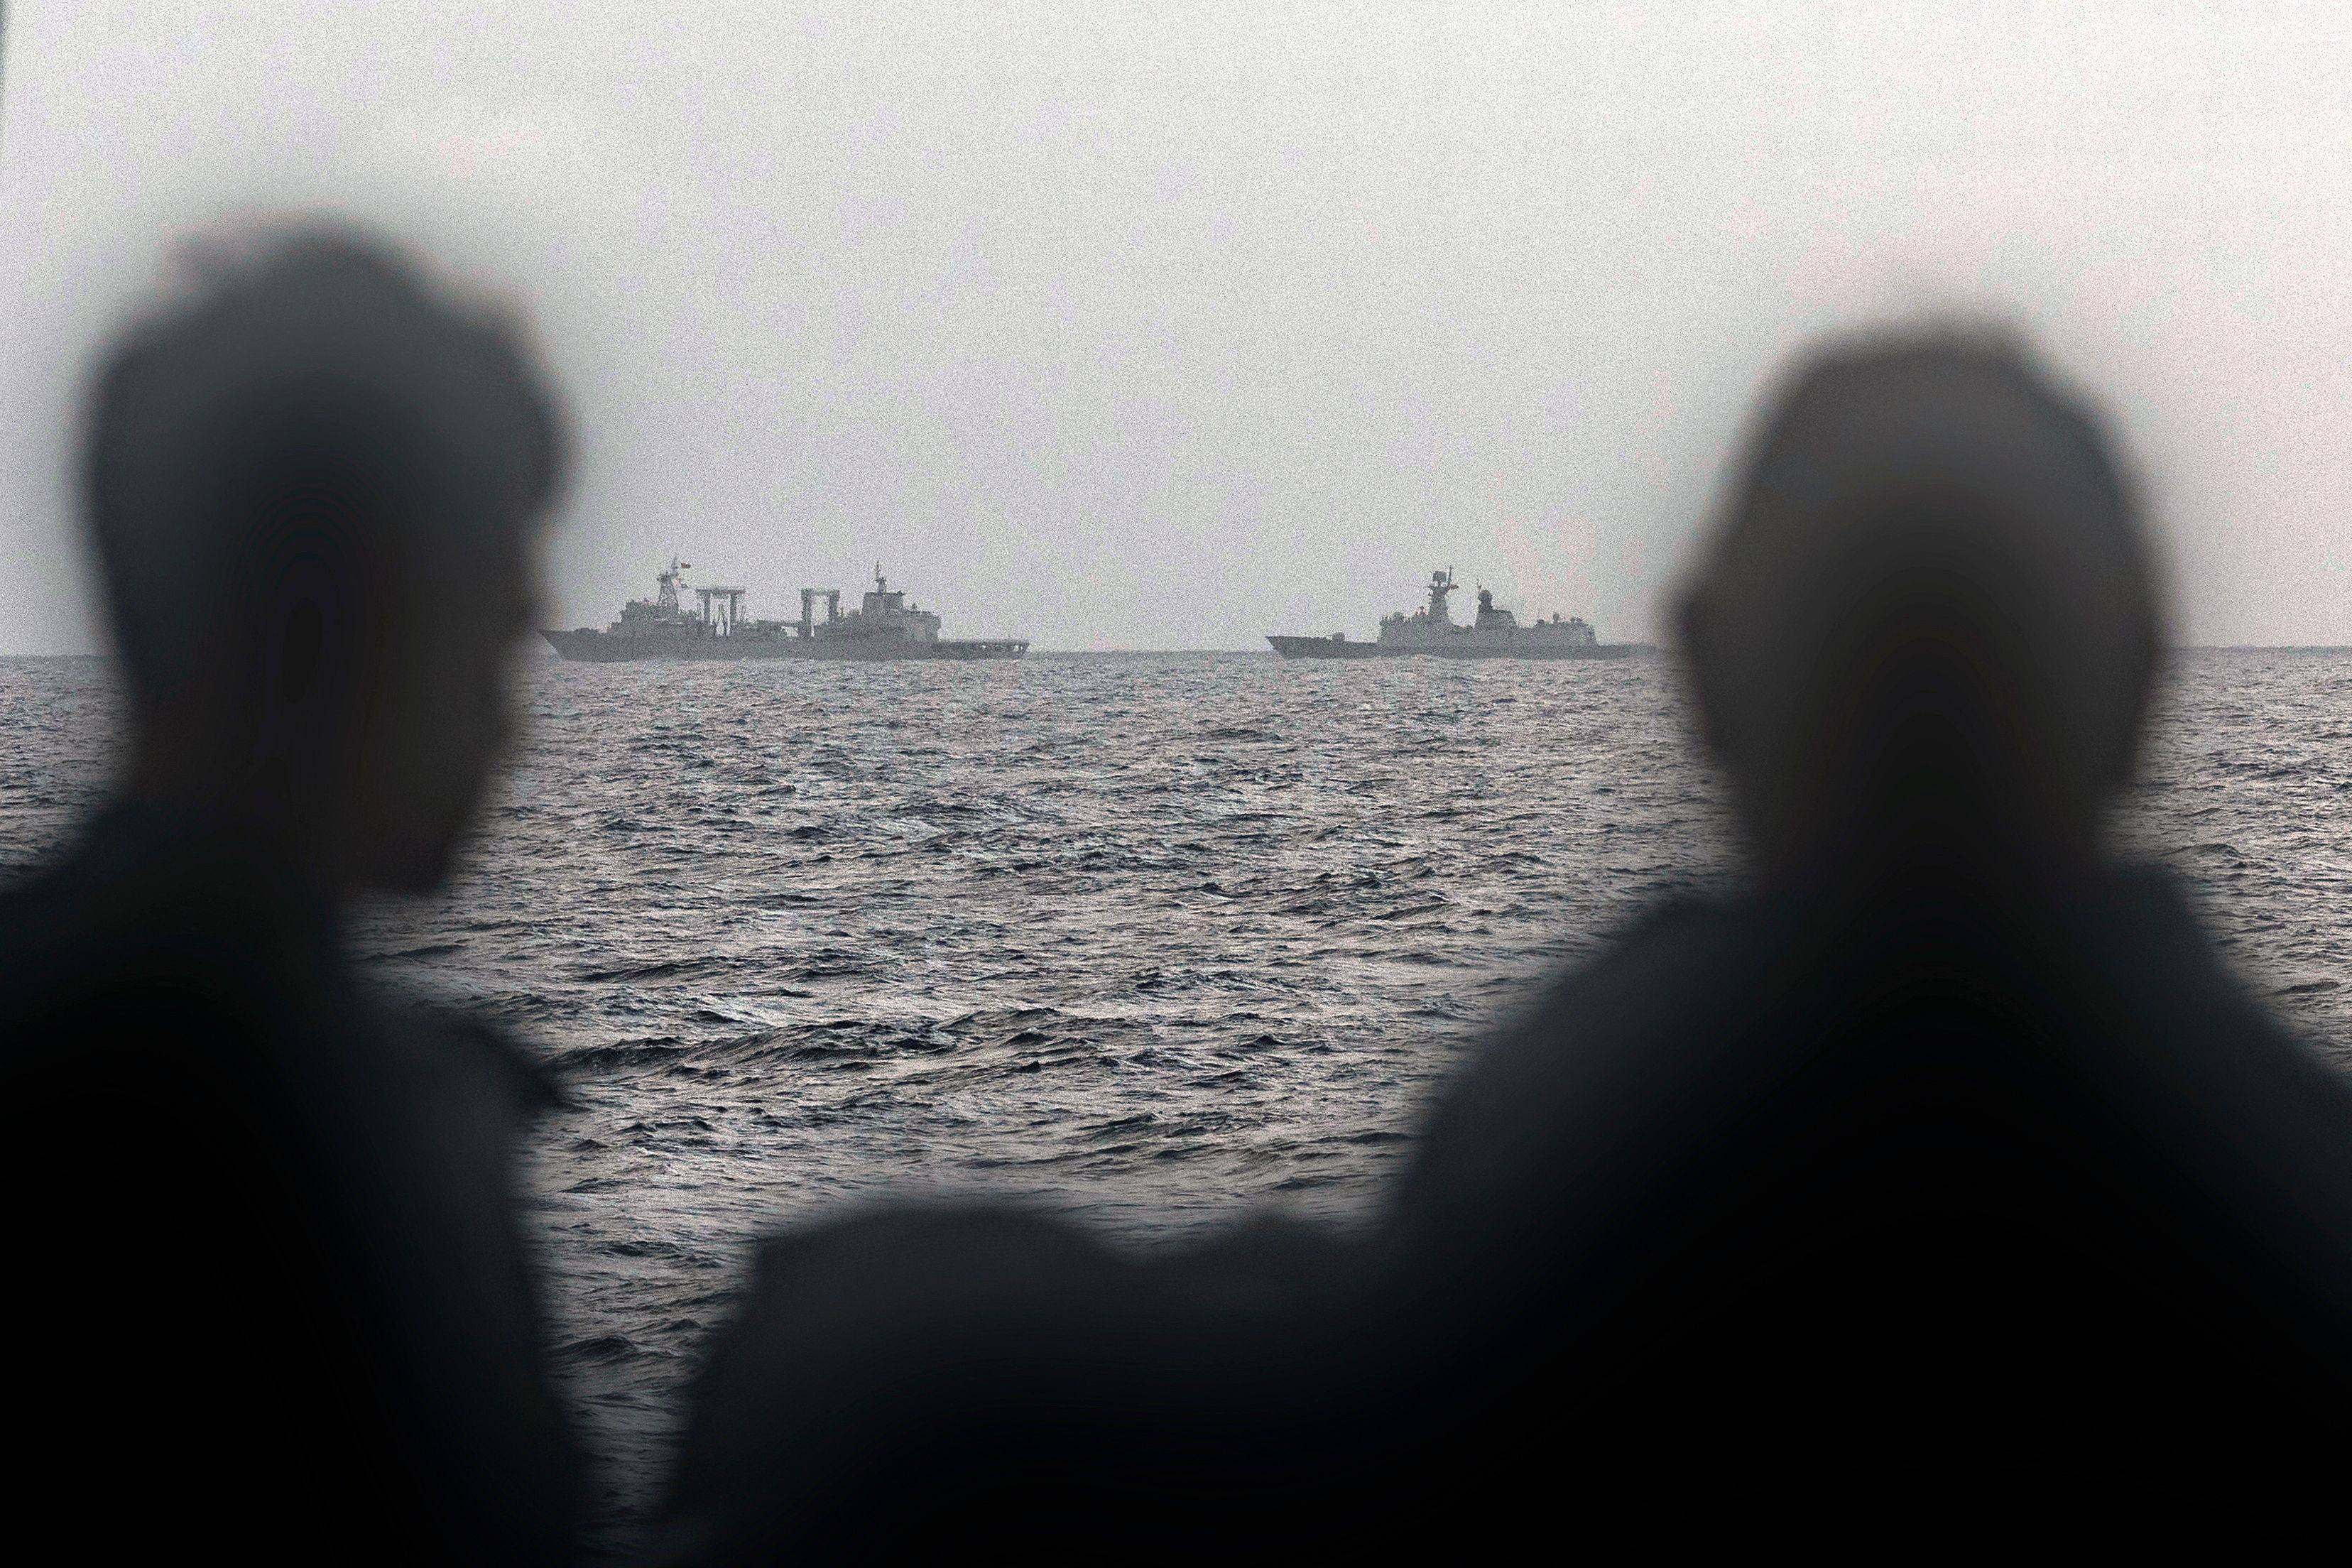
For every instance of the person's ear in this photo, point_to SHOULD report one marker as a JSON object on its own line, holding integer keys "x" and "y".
{"x": 302, "y": 645}
{"x": 302, "y": 638}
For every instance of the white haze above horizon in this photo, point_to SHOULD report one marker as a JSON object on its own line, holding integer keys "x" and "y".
{"x": 1171, "y": 326}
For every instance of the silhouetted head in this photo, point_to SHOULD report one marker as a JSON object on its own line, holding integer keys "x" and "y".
{"x": 314, "y": 484}
{"x": 1924, "y": 633}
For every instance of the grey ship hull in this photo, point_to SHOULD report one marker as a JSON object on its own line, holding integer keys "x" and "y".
{"x": 603, "y": 648}
{"x": 1467, "y": 647}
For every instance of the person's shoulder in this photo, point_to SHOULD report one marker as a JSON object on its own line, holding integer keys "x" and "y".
{"x": 449, "y": 1098}
{"x": 1656, "y": 981}
{"x": 921, "y": 1263}
{"x": 44, "y": 914}
{"x": 967, "y": 1260}
{"x": 853, "y": 1326}
{"x": 96, "y": 965}
{"x": 2249, "y": 1111}
{"x": 863, "y": 1338}
{"x": 456, "y": 1047}
{"x": 2160, "y": 965}
{"x": 1602, "y": 1043}
{"x": 933, "y": 1291}
{"x": 1668, "y": 941}
{"x": 2195, "y": 1026}
{"x": 136, "y": 897}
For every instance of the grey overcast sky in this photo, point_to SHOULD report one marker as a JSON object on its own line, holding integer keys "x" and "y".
{"x": 1174, "y": 325}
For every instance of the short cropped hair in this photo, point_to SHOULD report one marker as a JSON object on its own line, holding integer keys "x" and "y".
{"x": 1865, "y": 418}
{"x": 311, "y": 396}
{"x": 1933, "y": 496}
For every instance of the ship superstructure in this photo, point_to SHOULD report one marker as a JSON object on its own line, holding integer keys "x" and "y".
{"x": 1432, "y": 629}
{"x": 886, "y": 624}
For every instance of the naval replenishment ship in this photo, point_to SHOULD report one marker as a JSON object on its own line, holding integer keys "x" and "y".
{"x": 1496, "y": 634}
{"x": 885, "y": 626}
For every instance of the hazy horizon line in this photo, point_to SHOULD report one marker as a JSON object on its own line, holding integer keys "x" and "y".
{"x": 1035, "y": 652}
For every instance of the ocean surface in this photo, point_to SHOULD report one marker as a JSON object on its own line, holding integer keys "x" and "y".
{"x": 1157, "y": 938}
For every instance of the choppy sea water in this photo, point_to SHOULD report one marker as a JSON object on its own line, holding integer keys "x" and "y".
{"x": 1155, "y": 937}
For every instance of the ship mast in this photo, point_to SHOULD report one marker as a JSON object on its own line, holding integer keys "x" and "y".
{"x": 666, "y": 585}
{"x": 1440, "y": 584}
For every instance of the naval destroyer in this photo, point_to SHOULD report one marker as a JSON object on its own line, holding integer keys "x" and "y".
{"x": 1496, "y": 634}
{"x": 886, "y": 626}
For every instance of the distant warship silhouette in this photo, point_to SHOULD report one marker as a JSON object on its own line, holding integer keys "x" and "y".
{"x": 885, "y": 626}
{"x": 1496, "y": 634}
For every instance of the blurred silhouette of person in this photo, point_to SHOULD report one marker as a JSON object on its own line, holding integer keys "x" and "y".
{"x": 1946, "y": 1178}
{"x": 272, "y": 1295}
{"x": 1941, "y": 1187}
